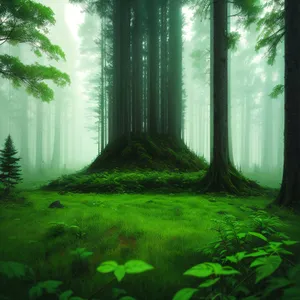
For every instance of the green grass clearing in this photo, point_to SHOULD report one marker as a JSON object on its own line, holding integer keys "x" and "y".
{"x": 165, "y": 231}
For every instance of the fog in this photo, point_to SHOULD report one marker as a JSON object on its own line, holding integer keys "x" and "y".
{"x": 63, "y": 136}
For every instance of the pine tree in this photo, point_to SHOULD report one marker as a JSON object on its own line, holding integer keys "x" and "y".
{"x": 9, "y": 166}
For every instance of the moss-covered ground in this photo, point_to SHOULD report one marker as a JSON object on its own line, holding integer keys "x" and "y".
{"x": 166, "y": 231}
{"x": 142, "y": 152}
{"x": 164, "y": 182}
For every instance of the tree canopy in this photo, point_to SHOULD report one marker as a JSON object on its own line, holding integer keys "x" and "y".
{"x": 26, "y": 22}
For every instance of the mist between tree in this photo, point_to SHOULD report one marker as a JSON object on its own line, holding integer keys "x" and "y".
{"x": 67, "y": 133}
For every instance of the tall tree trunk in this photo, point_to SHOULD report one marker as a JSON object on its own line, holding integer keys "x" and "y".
{"x": 24, "y": 153}
{"x": 102, "y": 85}
{"x": 245, "y": 147}
{"x": 221, "y": 175}
{"x": 175, "y": 70}
{"x": 164, "y": 67}
{"x": 137, "y": 70}
{"x": 116, "y": 89}
{"x": 39, "y": 137}
{"x": 153, "y": 69}
{"x": 125, "y": 68}
{"x": 220, "y": 83}
{"x": 289, "y": 194}
{"x": 56, "y": 155}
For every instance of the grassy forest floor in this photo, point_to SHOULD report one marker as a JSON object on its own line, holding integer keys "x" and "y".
{"x": 165, "y": 230}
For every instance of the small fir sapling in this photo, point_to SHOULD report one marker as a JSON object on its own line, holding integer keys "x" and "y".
{"x": 9, "y": 166}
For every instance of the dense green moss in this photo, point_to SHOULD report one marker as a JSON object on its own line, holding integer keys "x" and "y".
{"x": 130, "y": 182}
{"x": 141, "y": 182}
{"x": 148, "y": 153}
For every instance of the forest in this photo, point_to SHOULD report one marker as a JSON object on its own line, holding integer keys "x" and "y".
{"x": 149, "y": 149}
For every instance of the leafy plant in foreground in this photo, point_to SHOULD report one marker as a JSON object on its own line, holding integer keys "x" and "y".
{"x": 261, "y": 263}
{"x": 80, "y": 264}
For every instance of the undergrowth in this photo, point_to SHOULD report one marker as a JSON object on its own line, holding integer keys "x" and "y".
{"x": 250, "y": 260}
{"x": 129, "y": 182}
{"x": 135, "y": 182}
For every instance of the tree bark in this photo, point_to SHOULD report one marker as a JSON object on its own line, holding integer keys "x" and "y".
{"x": 164, "y": 68}
{"x": 175, "y": 70}
{"x": 289, "y": 194}
{"x": 221, "y": 175}
{"x": 39, "y": 136}
{"x": 153, "y": 65}
{"x": 137, "y": 70}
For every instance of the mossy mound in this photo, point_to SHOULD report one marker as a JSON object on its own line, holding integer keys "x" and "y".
{"x": 128, "y": 182}
{"x": 161, "y": 153}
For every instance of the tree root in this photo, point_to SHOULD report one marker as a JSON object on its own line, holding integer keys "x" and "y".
{"x": 228, "y": 180}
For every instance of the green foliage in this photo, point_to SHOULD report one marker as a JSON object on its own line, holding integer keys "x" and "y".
{"x": 130, "y": 182}
{"x": 233, "y": 39}
{"x": 26, "y": 22}
{"x": 57, "y": 229}
{"x": 130, "y": 267}
{"x": 80, "y": 264}
{"x": 250, "y": 9}
{"x": 277, "y": 91}
{"x": 49, "y": 286}
{"x": 272, "y": 30}
{"x": 32, "y": 76}
{"x": 13, "y": 269}
{"x": 9, "y": 167}
{"x": 81, "y": 253}
{"x": 261, "y": 268}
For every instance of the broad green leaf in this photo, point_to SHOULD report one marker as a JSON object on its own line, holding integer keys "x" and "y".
{"x": 283, "y": 251}
{"x": 35, "y": 292}
{"x": 241, "y": 235}
{"x": 185, "y": 294}
{"x": 217, "y": 268}
{"x": 137, "y": 266}
{"x": 237, "y": 257}
{"x": 256, "y": 254}
{"x": 259, "y": 235}
{"x": 217, "y": 245}
{"x": 259, "y": 261}
{"x": 12, "y": 269}
{"x": 209, "y": 282}
{"x": 50, "y": 286}
{"x": 201, "y": 270}
{"x": 266, "y": 266}
{"x": 66, "y": 295}
{"x": 289, "y": 243}
{"x": 107, "y": 266}
{"x": 275, "y": 246}
{"x": 227, "y": 270}
{"x": 120, "y": 272}
{"x": 232, "y": 259}
{"x": 240, "y": 255}
{"x": 275, "y": 284}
